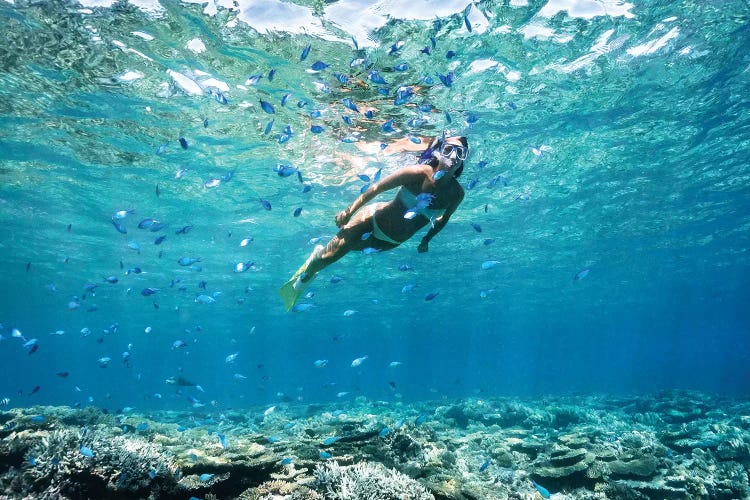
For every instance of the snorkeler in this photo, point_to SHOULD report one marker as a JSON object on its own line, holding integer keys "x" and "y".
{"x": 429, "y": 194}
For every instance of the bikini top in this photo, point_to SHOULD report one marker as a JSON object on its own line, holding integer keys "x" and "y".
{"x": 418, "y": 203}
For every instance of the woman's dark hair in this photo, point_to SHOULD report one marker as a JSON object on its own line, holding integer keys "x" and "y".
{"x": 428, "y": 158}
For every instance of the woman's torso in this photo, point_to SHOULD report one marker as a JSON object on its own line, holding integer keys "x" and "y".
{"x": 390, "y": 216}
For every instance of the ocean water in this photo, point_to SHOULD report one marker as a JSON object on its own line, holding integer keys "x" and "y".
{"x": 609, "y": 141}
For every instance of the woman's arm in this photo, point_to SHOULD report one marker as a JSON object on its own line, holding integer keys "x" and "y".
{"x": 440, "y": 222}
{"x": 406, "y": 175}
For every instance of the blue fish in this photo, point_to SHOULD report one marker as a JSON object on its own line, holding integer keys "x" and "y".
{"x": 183, "y": 230}
{"x": 222, "y": 439}
{"x": 484, "y": 465}
{"x": 253, "y": 79}
{"x": 32, "y": 460}
{"x": 420, "y": 419}
{"x": 86, "y": 451}
{"x": 38, "y": 419}
{"x": 160, "y": 239}
{"x": 318, "y": 66}
{"x": 374, "y": 77}
{"x": 149, "y": 291}
{"x": 348, "y": 103}
{"x": 301, "y": 104}
{"x": 369, "y": 114}
{"x": 286, "y": 461}
{"x": 329, "y": 441}
{"x": 284, "y": 170}
{"x": 401, "y": 67}
{"x": 541, "y": 489}
{"x": 269, "y": 125}
{"x": 305, "y": 53}
{"x": 152, "y": 473}
{"x": 384, "y": 432}
{"x": 297, "y": 212}
{"x": 120, "y": 228}
{"x": 273, "y": 439}
{"x": 183, "y": 143}
{"x": 267, "y": 107}
{"x": 450, "y": 54}
{"x": 325, "y": 455}
{"x": 341, "y": 77}
{"x": 447, "y": 79}
{"x": 347, "y": 120}
{"x": 581, "y": 274}
{"x": 271, "y": 74}
{"x": 188, "y": 261}
{"x": 316, "y": 129}
{"x": 431, "y": 296}
{"x": 476, "y": 227}
{"x": 426, "y": 50}
{"x": 387, "y": 126}
{"x": 266, "y": 204}
{"x": 205, "y": 477}
{"x": 466, "y": 18}
{"x": 285, "y": 98}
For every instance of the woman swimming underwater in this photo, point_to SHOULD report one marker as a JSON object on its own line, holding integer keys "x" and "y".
{"x": 428, "y": 193}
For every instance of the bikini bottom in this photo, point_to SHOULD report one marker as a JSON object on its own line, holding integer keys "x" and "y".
{"x": 377, "y": 232}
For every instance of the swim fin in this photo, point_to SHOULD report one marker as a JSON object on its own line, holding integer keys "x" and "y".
{"x": 292, "y": 290}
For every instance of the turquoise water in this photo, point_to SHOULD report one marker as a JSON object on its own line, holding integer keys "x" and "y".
{"x": 620, "y": 131}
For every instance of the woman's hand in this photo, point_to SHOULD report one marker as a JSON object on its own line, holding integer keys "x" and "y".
{"x": 422, "y": 248}
{"x": 342, "y": 218}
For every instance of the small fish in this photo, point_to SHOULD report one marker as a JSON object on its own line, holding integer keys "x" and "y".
{"x": 395, "y": 364}
{"x": 222, "y": 440}
{"x": 265, "y": 203}
{"x": 120, "y": 229}
{"x": 374, "y": 77}
{"x": 286, "y": 461}
{"x": 320, "y": 363}
{"x": 86, "y": 451}
{"x": 421, "y": 419}
{"x": 489, "y": 264}
{"x": 188, "y": 261}
{"x": 305, "y": 53}
{"x": 329, "y": 441}
{"x": 104, "y": 361}
{"x": 541, "y": 489}
{"x": 581, "y": 274}
{"x": 401, "y": 67}
{"x": 160, "y": 239}
{"x": 484, "y": 465}
{"x": 149, "y": 291}
{"x": 387, "y": 126}
{"x": 325, "y": 455}
{"x": 212, "y": 183}
{"x": 253, "y": 79}
{"x": 205, "y": 477}
{"x": 316, "y": 129}
{"x": 431, "y": 296}
{"x": 318, "y": 66}
{"x": 358, "y": 361}
{"x": 297, "y": 212}
{"x": 178, "y": 344}
{"x": 284, "y": 170}
{"x": 267, "y": 107}
{"x": 246, "y": 242}
{"x": 205, "y": 299}
{"x": 384, "y": 432}
{"x": 183, "y": 230}
{"x": 35, "y": 390}
{"x": 231, "y": 358}
{"x": 62, "y": 374}
{"x": 4, "y": 402}
{"x": 438, "y": 175}
{"x": 349, "y": 104}
{"x": 285, "y": 98}
{"x": 271, "y": 75}
{"x": 183, "y": 143}
{"x": 268, "y": 128}
{"x": 151, "y": 474}
{"x": 241, "y": 267}
{"x": 38, "y": 419}
{"x": 476, "y": 227}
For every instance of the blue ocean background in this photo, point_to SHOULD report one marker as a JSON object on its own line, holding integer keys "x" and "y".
{"x": 606, "y": 137}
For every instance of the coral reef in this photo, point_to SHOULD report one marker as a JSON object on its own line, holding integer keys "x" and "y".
{"x": 667, "y": 446}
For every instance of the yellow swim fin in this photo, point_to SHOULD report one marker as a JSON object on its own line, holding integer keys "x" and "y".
{"x": 292, "y": 290}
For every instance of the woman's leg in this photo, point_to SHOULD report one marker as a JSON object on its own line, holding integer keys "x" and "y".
{"x": 347, "y": 239}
